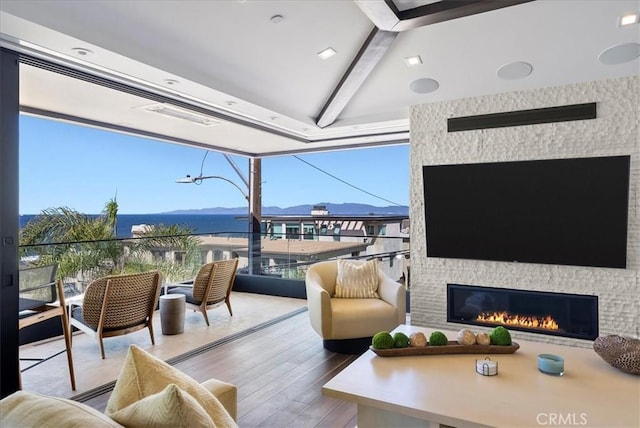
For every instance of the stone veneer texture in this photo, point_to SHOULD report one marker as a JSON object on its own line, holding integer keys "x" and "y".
{"x": 615, "y": 131}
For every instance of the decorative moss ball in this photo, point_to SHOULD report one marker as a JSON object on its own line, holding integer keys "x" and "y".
{"x": 400, "y": 340}
{"x": 382, "y": 340}
{"x": 438, "y": 338}
{"x": 500, "y": 336}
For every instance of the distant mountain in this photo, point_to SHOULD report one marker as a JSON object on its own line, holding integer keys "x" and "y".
{"x": 334, "y": 209}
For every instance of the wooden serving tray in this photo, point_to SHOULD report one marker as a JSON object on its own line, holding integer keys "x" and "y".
{"x": 452, "y": 348}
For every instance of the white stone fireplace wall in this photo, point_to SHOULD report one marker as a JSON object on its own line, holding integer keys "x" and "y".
{"x": 615, "y": 131}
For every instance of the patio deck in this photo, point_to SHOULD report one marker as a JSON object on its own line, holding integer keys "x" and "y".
{"x": 268, "y": 350}
{"x": 52, "y": 377}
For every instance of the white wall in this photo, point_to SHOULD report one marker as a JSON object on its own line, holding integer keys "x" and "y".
{"x": 615, "y": 131}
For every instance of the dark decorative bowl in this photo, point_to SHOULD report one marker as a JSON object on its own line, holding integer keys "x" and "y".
{"x": 621, "y": 352}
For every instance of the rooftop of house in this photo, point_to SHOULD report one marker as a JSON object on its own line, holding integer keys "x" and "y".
{"x": 291, "y": 247}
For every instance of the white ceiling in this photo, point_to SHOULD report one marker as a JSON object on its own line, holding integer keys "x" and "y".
{"x": 220, "y": 52}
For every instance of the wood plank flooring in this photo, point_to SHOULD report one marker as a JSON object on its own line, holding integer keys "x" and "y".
{"x": 279, "y": 371}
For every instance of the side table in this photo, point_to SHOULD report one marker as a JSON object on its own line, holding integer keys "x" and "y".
{"x": 71, "y": 302}
{"x": 172, "y": 309}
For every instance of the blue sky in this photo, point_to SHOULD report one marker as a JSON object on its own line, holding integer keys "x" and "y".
{"x": 82, "y": 168}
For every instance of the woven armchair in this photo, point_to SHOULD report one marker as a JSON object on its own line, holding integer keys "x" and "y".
{"x": 117, "y": 305}
{"x": 214, "y": 280}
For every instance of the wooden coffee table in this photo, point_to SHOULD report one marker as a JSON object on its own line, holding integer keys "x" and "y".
{"x": 428, "y": 390}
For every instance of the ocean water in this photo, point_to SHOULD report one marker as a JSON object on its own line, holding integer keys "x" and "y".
{"x": 202, "y": 223}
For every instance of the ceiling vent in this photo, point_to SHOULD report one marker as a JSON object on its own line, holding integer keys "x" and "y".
{"x": 183, "y": 114}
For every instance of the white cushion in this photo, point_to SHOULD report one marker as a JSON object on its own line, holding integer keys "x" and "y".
{"x": 357, "y": 280}
{"x": 171, "y": 408}
{"x": 143, "y": 374}
{"x": 28, "y": 409}
{"x": 360, "y": 317}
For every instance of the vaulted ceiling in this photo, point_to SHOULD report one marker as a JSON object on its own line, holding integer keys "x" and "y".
{"x": 244, "y": 76}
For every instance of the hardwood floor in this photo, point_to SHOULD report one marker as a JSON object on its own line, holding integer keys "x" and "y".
{"x": 279, "y": 371}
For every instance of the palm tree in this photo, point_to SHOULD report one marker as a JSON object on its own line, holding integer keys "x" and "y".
{"x": 111, "y": 211}
{"x": 86, "y": 244}
{"x": 175, "y": 237}
{"x": 77, "y": 242}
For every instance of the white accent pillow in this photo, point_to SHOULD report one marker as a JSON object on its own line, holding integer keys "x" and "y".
{"x": 171, "y": 407}
{"x": 357, "y": 280}
{"x": 142, "y": 375}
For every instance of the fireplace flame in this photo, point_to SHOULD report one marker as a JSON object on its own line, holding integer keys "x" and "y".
{"x": 505, "y": 318}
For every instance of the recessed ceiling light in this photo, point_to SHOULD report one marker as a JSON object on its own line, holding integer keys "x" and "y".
{"x": 515, "y": 70}
{"x": 629, "y": 19}
{"x": 230, "y": 103}
{"x": 171, "y": 82}
{"x": 413, "y": 60}
{"x": 81, "y": 51}
{"x": 326, "y": 53}
{"x": 424, "y": 85}
{"x": 276, "y": 19}
{"x": 619, "y": 54}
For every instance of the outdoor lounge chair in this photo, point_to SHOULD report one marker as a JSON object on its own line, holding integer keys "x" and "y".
{"x": 214, "y": 280}
{"x": 40, "y": 299}
{"x": 117, "y": 305}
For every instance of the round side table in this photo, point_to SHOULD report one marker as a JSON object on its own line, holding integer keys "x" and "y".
{"x": 172, "y": 309}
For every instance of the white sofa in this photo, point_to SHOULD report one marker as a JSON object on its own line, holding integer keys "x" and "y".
{"x": 347, "y": 325}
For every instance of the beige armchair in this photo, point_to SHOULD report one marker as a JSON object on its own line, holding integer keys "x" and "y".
{"x": 347, "y": 325}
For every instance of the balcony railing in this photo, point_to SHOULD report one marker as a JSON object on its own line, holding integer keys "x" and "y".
{"x": 178, "y": 257}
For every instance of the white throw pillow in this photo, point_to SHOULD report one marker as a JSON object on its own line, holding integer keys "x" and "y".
{"x": 143, "y": 374}
{"x": 170, "y": 408}
{"x": 357, "y": 280}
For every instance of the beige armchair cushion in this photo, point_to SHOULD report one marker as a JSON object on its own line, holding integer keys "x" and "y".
{"x": 357, "y": 280}
{"x": 351, "y": 318}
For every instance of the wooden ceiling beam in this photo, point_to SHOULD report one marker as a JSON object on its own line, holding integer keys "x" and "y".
{"x": 371, "y": 52}
{"x": 389, "y": 21}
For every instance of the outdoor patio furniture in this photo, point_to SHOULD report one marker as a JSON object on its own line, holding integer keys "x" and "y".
{"x": 214, "y": 280}
{"x": 118, "y": 304}
{"x": 42, "y": 298}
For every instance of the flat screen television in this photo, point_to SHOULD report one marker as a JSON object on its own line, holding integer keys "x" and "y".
{"x": 560, "y": 211}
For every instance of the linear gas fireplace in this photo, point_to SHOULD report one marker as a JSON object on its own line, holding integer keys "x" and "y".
{"x": 558, "y": 314}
